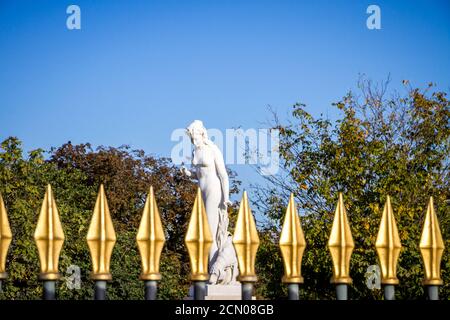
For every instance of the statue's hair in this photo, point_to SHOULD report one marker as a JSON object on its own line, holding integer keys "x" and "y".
{"x": 198, "y": 125}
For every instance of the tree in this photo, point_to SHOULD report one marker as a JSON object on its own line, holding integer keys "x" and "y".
{"x": 75, "y": 173}
{"x": 398, "y": 146}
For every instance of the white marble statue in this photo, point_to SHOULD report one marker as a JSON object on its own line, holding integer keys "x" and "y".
{"x": 209, "y": 169}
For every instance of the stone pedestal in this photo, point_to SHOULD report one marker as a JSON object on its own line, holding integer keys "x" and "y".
{"x": 220, "y": 292}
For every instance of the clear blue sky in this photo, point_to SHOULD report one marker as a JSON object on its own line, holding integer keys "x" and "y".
{"x": 139, "y": 69}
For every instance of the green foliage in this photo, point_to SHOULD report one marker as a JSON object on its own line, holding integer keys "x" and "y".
{"x": 75, "y": 173}
{"x": 397, "y": 146}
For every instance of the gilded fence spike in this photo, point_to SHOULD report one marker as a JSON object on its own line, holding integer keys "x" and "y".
{"x": 388, "y": 245}
{"x": 431, "y": 247}
{"x": 341, "y": 245}
{"x": 5, "y": 239}
{"x": 49, "y": 237}
{"x": 199, "y": 240}
{"x": 101, "y": 238}
{"x": 246, "y": 242}
{"x": 292, "y": 244}
{"x": 150, "y": 239}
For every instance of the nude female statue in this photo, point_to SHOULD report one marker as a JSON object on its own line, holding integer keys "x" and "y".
{"x": 209, "y": 170}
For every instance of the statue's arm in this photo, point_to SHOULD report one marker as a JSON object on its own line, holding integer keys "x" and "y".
{"x": 189, "y": 173}
{"x": 193, "y": 174}
{"x": 222, "y": 174}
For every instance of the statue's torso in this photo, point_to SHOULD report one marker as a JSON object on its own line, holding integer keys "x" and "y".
{"x": 203, "y": 161}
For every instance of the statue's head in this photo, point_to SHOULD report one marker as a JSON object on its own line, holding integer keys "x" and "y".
{"x": 197, "y": 133}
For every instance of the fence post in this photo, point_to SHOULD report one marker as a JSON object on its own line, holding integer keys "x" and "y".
{"x": 341, "y": 247}
{"x": 5, "y": 241}
{"x": 101, "y": 238}
{"x": 431, "y": 248}
{"x": 49, "y": 237}
{"x": 150, "y": 241}
{"x": 388, "y": 247}
{"x": 292, "y": 245}
{"x": 198, "y": 241}
{"x": 246, "y": 243}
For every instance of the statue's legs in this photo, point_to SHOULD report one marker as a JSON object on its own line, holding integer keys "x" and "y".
{"x": 212, "y": 197}
{"x": 213, "y": 220}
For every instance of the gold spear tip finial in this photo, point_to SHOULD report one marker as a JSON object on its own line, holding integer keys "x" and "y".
{"x": 431, "y": 247}
{"x": 246, "y": 241}
{"x": 150, "y": 239}
{"x": 198, "y": 240}
{"x": 388, "y": 245}
{"x": 5, "y": 238}
{"x": 49, "y": 237}
{"x": 292, "y": 244}
{"x": 101, "y": 238}
{"x": 341, "y": 244}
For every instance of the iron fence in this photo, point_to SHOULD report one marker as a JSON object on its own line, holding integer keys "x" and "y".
{"x": 150, "y": 240}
